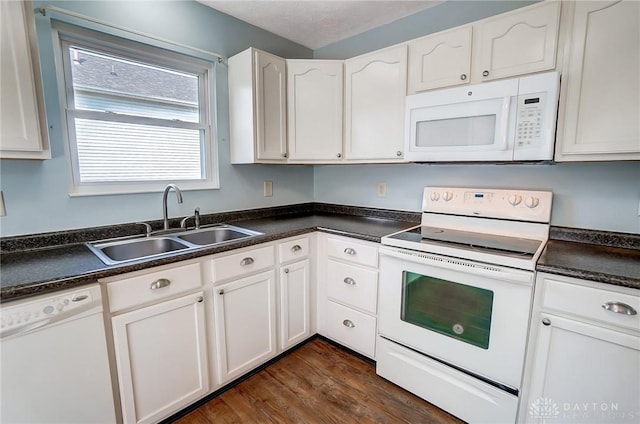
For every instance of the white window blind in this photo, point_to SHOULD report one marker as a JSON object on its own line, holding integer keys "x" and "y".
{"x": 137, "y": 117}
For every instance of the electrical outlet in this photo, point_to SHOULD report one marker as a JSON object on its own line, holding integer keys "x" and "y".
{"x": 382, "y": 189}
{"x": 268, "y": 188}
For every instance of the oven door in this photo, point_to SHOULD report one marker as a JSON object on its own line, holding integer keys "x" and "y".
{"x": 469, "y": 315}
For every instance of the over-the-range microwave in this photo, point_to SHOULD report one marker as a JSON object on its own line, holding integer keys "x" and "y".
{"x": 508, "y": 120}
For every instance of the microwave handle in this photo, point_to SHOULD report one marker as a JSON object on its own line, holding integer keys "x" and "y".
{"x": 503, "y": 138}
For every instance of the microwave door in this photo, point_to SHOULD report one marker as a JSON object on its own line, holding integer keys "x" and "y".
{"x": 470, "y": 131}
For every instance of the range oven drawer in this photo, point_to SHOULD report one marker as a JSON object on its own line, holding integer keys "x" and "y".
{"x": 463, "y": 396}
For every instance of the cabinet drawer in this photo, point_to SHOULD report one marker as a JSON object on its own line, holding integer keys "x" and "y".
{"x": 293, "y": 249}
{"x": 588, "y": 302}
{"x": 352, "y": 251}
{"x": 243, "y": 263}
{"x": 153, "y": 286}
{"x": 353, "y": 285}
{"x": 351, "y": 328}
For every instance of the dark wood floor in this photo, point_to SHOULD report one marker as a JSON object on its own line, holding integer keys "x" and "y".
{"x": 317, "y": 383}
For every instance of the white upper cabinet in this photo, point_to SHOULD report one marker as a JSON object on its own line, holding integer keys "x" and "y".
{"x": 599, "y": 107}
{"x": 516, "y": 43}
{"x": 315, "y": 110}
{"x": 23, "y": 132}
{"x": 257, "y": 107}
{"x": 519, "y": 42}
{"x": 375, "y": 89}
{"x": 440, "y": 60}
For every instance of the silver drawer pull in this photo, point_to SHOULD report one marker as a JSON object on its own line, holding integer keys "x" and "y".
{"x": 296, "y": 248}
{"x": 619, "y": 308}
{"x": 350, "y": 251}
{"x": 160, "y": 283}
{"x": 348, "y": 323}
{"x": 246, "y": 261}
{"x": 199, "y": 299}
{"x": 350, "y": 281}
{"x": 79, "y": 297}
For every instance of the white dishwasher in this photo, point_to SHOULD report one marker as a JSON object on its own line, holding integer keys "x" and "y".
{"x": 53, "y": 353}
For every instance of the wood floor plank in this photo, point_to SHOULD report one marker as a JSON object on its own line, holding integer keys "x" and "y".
{"x": 318, "y": 383}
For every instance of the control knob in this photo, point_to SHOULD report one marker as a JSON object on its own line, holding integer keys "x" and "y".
{"x": 447, "y": 195}
{"x": 515, "y": 199}
{"x": 434, "y": 196}
{"x": 532, "y": 202}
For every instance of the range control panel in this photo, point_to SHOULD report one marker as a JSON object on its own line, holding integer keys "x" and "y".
{"x": 29, "y": 312}
{"x": 518, "y": 205}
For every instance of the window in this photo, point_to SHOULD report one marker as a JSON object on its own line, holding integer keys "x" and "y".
{"x": 137, "y": 117}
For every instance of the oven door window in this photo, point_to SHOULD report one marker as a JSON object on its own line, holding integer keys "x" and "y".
{"x": 453, "y": 309}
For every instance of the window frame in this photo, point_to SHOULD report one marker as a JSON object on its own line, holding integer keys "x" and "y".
{"x": 66, "y": 35}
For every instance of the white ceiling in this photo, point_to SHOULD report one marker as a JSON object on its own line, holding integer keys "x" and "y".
{"x": 318, "y": 23}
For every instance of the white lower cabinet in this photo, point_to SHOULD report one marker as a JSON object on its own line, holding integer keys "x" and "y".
{"x": 161, "y": 358}
{"x": 348, "y": 292}
{"x": 245, "y": 324}
{"x": 584, "y": 364}
{"x": 294, "y": 303}
{"x": 159, "y": 328}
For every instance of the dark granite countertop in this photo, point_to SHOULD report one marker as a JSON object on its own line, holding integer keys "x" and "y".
{"x": 42, "y": 263}
{"x": 599, "y": 256}
{"x": 31, "y": 272}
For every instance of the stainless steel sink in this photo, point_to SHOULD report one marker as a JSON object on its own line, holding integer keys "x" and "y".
{"x": 215, "y": 235}
{"x": 127, "y": 250}
{"x": 116, "y": 252}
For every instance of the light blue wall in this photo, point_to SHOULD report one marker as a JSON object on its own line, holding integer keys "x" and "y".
{"x": 602, "y": 196}
{"x": 588, "y": 195}
{"x": 36, "y": 192}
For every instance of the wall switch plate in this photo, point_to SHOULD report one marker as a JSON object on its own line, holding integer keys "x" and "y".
{"x": 382, "y": 189}
{"x": 268, "y": 188}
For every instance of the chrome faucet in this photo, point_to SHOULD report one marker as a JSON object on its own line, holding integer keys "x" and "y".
{"x": 164, "y": 202}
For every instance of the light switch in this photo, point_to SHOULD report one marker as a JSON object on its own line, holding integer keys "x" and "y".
{"x": 382, "y": 189}
{"x": 268, "y": 188}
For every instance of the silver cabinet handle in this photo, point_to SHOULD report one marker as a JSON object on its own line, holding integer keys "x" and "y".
{"x": 546, "y": 321}
{"x": 285, "y": 155}
{"x": 350, "y": 251}
{"x": 220, "y": 292}
{"x": 160, "y": 283}
{"x": 286, "y": 270}
{"x": 463, "y": 77}
{"x": 485, "y": 73}
{"x": 199, "y": 299}
{"x": 296, "y": 248}
{"x": 398, "y": 153}
{"x": 246, "y": 261}
{"x": 350, "y": 281}
{"x": 348, "y": 323}
{"x": 620, "y": 308}
{"x": 339, "y": 155}
{"x": 80, "y": 298}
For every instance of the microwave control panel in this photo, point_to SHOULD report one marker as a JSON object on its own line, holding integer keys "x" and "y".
{"x": 530, "y": 120}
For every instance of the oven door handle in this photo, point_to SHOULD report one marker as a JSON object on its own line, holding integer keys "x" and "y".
{"x": 460, "y": 265}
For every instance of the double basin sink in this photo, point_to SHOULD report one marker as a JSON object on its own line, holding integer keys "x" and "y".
{"x": 117, "y": 252}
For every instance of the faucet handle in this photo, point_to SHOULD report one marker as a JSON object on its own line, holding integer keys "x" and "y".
{"x": 183, "y": 223}
{"x": 147, "y": 228}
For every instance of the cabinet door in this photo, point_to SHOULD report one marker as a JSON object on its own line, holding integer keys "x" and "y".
{"x": 518, "y": 43}
{"x": 294, "y": 303}
{"x": 440, "y": 60}
{"x": 599, "y": 106}
{"x": 21, "y": 105}
{"x": 315, "y": 99}
{"x": 245, "y": 323}
{"x": 583, "y": 373}
{"x": 161, "y": 355}
{"x": 375, "y": 91}
{"x": 270, "y": 86}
